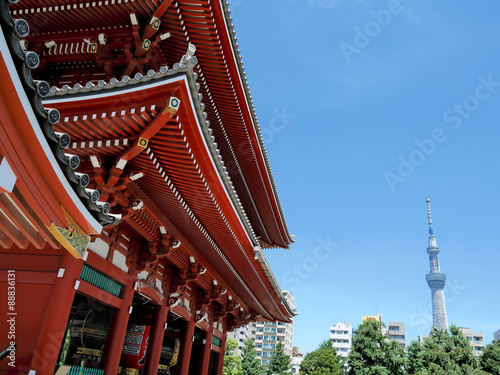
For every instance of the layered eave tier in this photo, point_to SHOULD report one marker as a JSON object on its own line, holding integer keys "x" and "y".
{"x": 63, "y": 38}
{"x": 38, "y": 194}
{"x": 178, "y": 173}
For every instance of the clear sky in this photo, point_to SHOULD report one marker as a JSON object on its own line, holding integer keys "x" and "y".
{"x": 367, "y": 108}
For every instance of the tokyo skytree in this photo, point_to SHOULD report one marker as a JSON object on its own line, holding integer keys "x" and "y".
{"x": 435, "y": 279}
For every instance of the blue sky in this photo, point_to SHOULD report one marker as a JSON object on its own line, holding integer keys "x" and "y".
{"x": 368, "y": 107}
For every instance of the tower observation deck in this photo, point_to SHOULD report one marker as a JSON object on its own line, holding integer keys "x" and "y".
{"x": 435, "y": 278}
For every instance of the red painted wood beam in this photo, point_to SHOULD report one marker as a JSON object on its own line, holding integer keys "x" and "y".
{"x": 25, "y": 227}
{"x": 220, "y": 362}
{"x": 99, "y": 294}
{"x": 205, "y": 352}
{"x": 186, "y": 347}
{"x": 53, "y": 330}
{"x": 156, "y": 340}
{"x": 154, "y": 21}
{"x": 120, "y": 321}
{"x": 166, "y": 113}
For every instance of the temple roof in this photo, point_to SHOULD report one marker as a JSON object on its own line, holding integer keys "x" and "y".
{"x": 205, "y": 168}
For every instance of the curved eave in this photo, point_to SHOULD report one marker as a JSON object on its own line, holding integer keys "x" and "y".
{"x": 266, "y": 300}
{"x": 40, "y": 178}
{"x": 257, "y": 135}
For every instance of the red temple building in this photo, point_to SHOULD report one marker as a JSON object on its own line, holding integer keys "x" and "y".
{"x": 136, "y": 195}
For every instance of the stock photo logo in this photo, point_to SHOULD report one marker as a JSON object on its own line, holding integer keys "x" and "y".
{"x": 454, "y": 116}
{"x": 294, "y": 278}
{"x": 281, "y": 119}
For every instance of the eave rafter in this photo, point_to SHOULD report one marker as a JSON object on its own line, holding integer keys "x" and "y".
{"x": 190, "y": 202}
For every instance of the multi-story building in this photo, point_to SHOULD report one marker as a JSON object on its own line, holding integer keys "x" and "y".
{"x": 268, "y": 334}
{"x": 341, "y": 338}
{"x": 476, "y": 340}
{"x": 242, "y": 334}
{"x": 297, "y": 359}
{"x": 496, "y": 335}
{"x": 422, "y": 338}
{"x": 396, "y": 331}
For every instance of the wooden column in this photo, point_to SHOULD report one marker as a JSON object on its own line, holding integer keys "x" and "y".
{"x": 205, "y": 352}
{"x": 53, "y": 330}
{"x": 220, "y": 364}
{"x": 120, "y": 321}
{"x": 185, "y": 349}
{"x": 156, "y": 341}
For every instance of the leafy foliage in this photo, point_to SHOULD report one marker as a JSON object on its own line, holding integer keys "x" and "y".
{"x": 280, "y": 363}
{"x": 442, "y": 353}
{"x": 490, "y": 360}
{"x": 250, "y": 364}
{"x": 322, "y": 361}
{"x": 372, "y": 353}
{"x": 232, "y": 359}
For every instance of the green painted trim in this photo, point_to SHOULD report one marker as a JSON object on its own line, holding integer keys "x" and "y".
{"x": 216, "y": 341}
{"x": 101, "y": 281}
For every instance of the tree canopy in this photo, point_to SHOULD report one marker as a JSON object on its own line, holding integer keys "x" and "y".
{"x": 232, "y": 359}
{"x": 490, "y": 360}
{"x": 442, "y": 353}
{"x": 322, "y": 361}
{"x": 372, "y": 353}
{"x": 280, "y": 362}
{"x": 250, "y": 364}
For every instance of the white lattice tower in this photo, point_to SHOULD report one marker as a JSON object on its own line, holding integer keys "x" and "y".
{"x": 435, "y": 279}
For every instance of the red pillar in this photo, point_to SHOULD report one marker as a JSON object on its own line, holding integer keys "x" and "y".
{"x": 205, "y": 353}
{"x": 220, "y": 365}
{"x": 120, "y": 321}
{"x": 54, "y": 328}
{"x": 185, "y": 349}
{"x": 155, "y": 344}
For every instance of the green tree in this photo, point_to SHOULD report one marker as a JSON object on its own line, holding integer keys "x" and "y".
{"x": 490, "y": 360}
{"x": 372, "y": 353}
{"x": 322, "y": 361}
{"x": 250, "y": 364}
{"x": 442, "y": 353}
{"x": 280, "y": 362}
{"x": 232, "y": 359}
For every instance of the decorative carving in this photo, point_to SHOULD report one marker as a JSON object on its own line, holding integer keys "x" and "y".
{"x": 172, "y": 107}
{"x": 74, "y": 238}
{"x": 137, "y": 204}
{"x": 174, "y": 300}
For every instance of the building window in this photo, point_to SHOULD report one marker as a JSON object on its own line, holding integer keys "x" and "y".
{"x": 397, "y": 337}
{"x": 393, "y": 328}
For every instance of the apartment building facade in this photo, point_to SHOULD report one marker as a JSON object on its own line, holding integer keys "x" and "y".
{"x": 476, "y": 340}
{"x": 341, "y": 338}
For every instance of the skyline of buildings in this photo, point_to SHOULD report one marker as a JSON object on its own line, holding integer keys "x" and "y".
{"x": 341, "y": 334}
{"x": 266, "y": 335}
